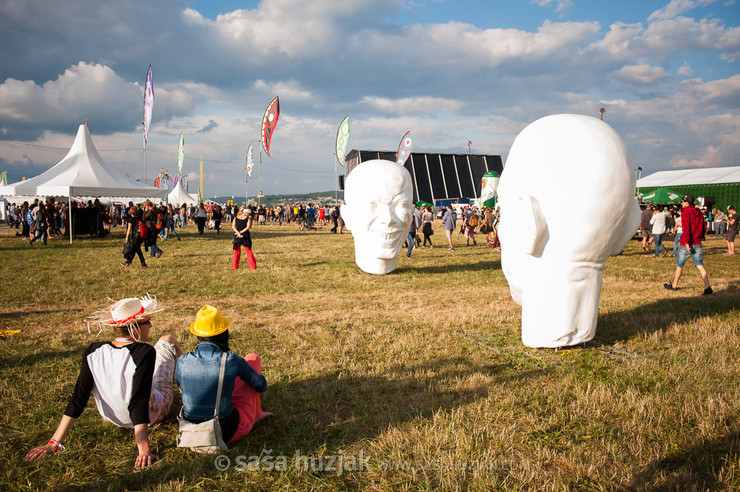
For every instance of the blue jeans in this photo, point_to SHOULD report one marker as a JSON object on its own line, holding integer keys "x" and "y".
{"x": 167, "y": 230}
{"x": 675, "y": 242}
{"x": 412, "y": 238}
{"x": 695, "y": 252}
{"x": 153, "y": 248}
{"x": 658, "y": 244}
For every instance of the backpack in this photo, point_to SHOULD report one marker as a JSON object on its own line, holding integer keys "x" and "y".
{"x": 473, "y": 221}
{"x": 159, "y": 223}
{"x": 142, "y": 230}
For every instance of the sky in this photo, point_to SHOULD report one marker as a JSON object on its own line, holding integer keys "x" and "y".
{"x": 450, "y": 71}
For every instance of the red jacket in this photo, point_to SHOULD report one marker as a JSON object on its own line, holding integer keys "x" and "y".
{"x": 693, "y": 226}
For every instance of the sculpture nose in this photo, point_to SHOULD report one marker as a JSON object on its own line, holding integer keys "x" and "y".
{"x": 385, "y": 214}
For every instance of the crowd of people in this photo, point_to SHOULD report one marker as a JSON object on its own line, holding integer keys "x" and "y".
{"x": 472, "y": 221}
{"x": 661, "y": 222}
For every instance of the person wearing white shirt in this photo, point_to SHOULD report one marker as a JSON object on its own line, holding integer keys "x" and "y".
{"x": 658, "y": 221}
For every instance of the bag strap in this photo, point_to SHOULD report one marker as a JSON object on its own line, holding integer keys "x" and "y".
{"x": 220, "y": 384}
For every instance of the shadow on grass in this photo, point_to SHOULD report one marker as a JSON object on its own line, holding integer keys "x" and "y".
{"x": 659, "y": 315}
{"x": 463, "y": 267}
{"x": 696, "y": 467}
{"x": 34, "y": 359}
{"x": 339, "y": 409}
{"x": 318, "y": 415}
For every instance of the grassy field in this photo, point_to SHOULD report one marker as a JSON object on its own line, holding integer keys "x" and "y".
{"x": 414, "y": 380}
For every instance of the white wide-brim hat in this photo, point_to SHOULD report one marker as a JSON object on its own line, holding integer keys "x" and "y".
{"x": 125, "y": 312}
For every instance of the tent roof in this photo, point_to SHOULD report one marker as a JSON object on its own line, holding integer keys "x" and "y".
{"x": 178, "y": 196}
{"x": 82, "y": 172}
{"x": 698, "y": 176}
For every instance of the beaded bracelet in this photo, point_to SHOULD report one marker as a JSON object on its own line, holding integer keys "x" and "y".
{"x": 57, "y": 445}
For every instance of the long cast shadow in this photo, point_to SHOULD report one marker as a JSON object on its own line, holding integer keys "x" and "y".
{"x": 693, "y": 468}
{"x": 650, "y": 318}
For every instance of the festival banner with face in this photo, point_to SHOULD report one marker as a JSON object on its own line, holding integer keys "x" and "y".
{"x": 269, "y": 122}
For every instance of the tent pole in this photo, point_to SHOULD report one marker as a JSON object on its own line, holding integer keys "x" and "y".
{"x": 69, "y": 212}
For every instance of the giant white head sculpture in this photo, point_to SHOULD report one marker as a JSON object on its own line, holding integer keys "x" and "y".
{"x": 378, "y": 211}
{"x": 567, "y": 198}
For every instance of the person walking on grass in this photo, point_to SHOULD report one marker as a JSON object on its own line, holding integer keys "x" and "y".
{"x": 645, "y": 227}
{"x": 732, "y": 227}
{"x": 130, "y": 380}
{"x": 658, "y": 223}
{"x": 426, "y": 225}
{"x": 694, "y": 230}
{"x": 153, "y": 217}
{"x": 449, "y": 221}
{"x": 136, "y": 234}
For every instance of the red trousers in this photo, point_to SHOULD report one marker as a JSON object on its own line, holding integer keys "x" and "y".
{"x": 246, "y": 401}
{"x": 250, "y": 259}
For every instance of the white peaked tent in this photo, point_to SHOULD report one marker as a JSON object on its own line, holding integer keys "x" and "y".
{"x": 82, "y": 173}
{"x": 178, "y": 196}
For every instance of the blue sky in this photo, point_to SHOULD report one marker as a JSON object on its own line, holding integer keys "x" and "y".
{"x": 667, "y": 73}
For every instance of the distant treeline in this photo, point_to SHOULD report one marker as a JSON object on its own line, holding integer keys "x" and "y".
{"x": 317, "y": 197}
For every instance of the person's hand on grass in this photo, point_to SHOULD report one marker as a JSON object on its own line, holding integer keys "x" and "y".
{"x": 144, "y": 460}
{"x": 40, "y": 451}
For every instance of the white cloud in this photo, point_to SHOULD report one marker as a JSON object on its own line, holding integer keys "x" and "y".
{"x": 84, "y": 90}
{"x": 414, "y": 105}
{"x": 685, "y": 70}
{"x": 672, "y": 10}
{"x": 288, "y": 90}
{"x": 561, "y": 6}
{"x": 641, "y": 74}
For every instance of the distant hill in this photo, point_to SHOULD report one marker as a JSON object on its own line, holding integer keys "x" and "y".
{"x": 318, "y": 197}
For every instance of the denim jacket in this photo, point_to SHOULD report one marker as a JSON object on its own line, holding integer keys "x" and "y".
{"x": 197, "y": 376}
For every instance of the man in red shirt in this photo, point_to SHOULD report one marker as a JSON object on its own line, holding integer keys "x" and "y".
{"x": 694, "y": 230}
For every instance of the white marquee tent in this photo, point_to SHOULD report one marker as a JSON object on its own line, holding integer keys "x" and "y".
{"x": 178, "y": 196}
{"x": 82, "y": 173}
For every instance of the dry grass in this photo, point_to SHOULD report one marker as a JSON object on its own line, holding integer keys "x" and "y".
{"x": 388, "y": 367}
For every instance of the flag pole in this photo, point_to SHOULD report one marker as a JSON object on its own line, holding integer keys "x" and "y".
{"x": 259, "y": 193}
{"x": 145, "y": 181}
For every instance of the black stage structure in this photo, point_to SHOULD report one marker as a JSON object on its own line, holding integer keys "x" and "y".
{"x": 437, "y": 176}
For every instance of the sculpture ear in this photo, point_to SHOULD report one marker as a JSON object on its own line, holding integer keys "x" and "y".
{"x": 531, "y": 229}
{"x": 346, "y": 213}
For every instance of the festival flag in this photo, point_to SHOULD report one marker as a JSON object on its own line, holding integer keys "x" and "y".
{"x": 175, "y": 180}
{"x": 184, "y": 183}
{"x": 4, "y": 178}
{"x": 180, "y": 152}
{"x": 269, "y": 122}
{"x": 250, "y": 162}
{"x": 342, "y": 139}
{"x": 405, "y": 148}
{"x": 488, "y": 187}
{"x": 157, "y": 182}
{"x": 148, "y": 103}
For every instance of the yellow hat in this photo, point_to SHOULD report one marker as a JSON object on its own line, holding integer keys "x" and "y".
{"x": 209, "y": 322}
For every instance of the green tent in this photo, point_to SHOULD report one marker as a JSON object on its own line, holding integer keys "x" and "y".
{"x": 662, "y": 196}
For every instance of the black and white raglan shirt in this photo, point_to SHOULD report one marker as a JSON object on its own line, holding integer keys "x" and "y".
{"x": 120, "y": 379}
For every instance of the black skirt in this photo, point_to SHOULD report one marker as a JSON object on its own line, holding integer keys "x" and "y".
{"x": 245, "y": 240}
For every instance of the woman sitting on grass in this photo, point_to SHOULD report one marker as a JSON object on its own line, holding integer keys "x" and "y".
{"x": 130, "y": 380}
{"x": 197, "y": 376}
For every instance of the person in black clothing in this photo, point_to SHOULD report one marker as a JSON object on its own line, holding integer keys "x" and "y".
{"x": 217, "y": 215}
{"x": 241, "y": 226}
{"x": 133, "y": 240}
